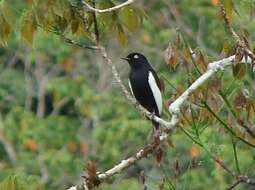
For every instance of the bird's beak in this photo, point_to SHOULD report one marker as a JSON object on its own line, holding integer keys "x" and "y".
{"x": 125, "y": 58}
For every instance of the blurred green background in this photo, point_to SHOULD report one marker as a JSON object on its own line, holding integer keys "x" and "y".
{"x": 60, "y": 106}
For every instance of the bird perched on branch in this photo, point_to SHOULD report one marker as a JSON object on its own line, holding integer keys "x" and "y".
{"x": 145, "y": 84}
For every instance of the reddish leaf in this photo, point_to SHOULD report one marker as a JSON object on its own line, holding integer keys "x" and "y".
{"x": 31, "y": 144}
{"x": 159, "y": 155}
{"x": 200, "y": 59}
{"x": 218, "y": 161}
{"x": 177, "y": 169}
{"x": 91, "y": 174}
{"x": 194, "y": 152}
{"x": 240, "y": 100}
{"x": 215, "y": 2}
{"x": 162, "y": 85}
{"x": 91, "y": 169}
{"x": 172, "y": 56}
{"x": 215, "y": 84}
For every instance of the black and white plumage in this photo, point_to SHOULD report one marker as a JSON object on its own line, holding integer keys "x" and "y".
{"x": 145, "y": 84}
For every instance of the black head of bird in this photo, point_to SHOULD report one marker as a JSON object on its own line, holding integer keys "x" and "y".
{"x": 137, "y": 60}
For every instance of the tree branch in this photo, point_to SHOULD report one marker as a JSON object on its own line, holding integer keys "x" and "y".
{"x": 128, "y": 2}
{"x": 213, "y": 67}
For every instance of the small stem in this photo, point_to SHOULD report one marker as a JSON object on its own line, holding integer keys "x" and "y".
{"x": 226, "y": 126}
{"x": 95, "y": 23}
{"x": 235, "y": 154}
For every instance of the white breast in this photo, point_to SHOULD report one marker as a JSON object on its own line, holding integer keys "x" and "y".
{"x": 155, "y": 91}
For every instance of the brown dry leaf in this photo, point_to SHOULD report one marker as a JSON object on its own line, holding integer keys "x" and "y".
{"x": 250, "y": 110}
{"x": 214, "y": 102}
{"x": 171, "y": 56}
{"x": 215, "y": 84}
{"x": 219, "y": 159}
{"x": 178, "y": 41}
{"x": 91, "y": 169}
{"x": 162, "y": 85}
{"x": 200, "y": 59}
{"x": 177, "y": 168}
{"x": 91, "y": 174}
{"x": 159, "y": 155}
{"x": 240, "y": 101}
{"x": 231, "y": 120}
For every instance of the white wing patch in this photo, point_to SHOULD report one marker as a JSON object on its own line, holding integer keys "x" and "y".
{"x": 155, "y": 91}
{"x": 130, "y": 87}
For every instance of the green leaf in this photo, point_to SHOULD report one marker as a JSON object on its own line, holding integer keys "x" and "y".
{"x": 69, "y": 13}
{"x": 129, "y": 18}
{"x": 60, "y": 7}
{"x": 9, "y": 183}
{"x": 28, "y": 26}
{"x": 239, "y": 70}
{"x": 8, "y": 13}
{"x": 122, "y": 38}
{"x": 5, "y": 29}
{"x": 75, "y": 25}
{"x": 61, "y": 23}
{"x": 228, "y": 4}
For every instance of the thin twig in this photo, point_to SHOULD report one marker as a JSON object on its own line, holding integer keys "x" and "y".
{"x": 72, "y": 42}
{"x": 234, "y": 184}
{"x": 108, "y": 9}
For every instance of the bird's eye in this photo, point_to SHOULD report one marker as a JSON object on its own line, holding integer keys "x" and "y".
{"x": 136, "y": 56}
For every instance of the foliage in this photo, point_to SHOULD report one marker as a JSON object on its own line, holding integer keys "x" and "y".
{"x": 83, "y": 115}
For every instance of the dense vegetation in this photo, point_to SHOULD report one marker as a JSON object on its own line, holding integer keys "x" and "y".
{"x": 60, "y": 106}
